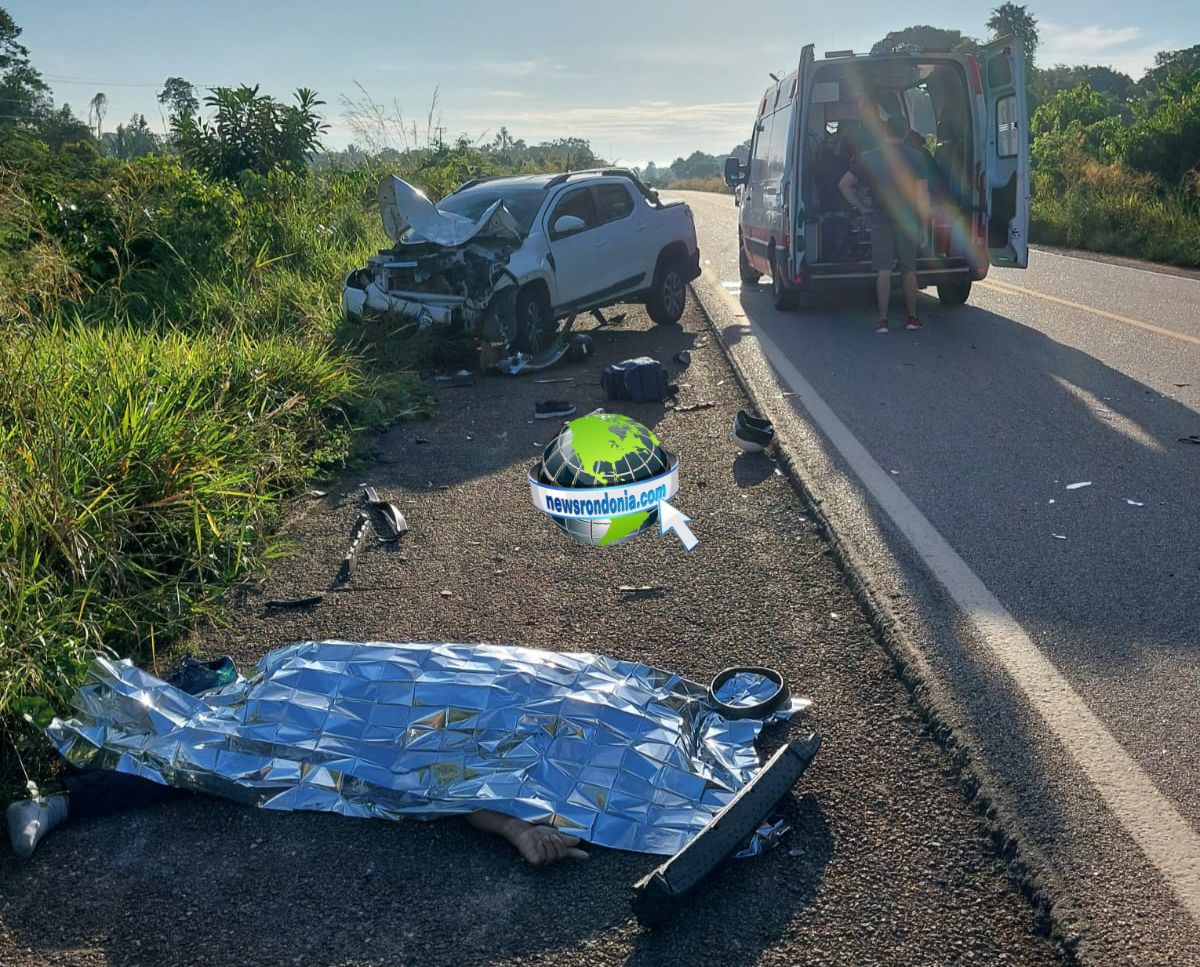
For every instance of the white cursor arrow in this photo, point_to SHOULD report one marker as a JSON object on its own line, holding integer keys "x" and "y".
{"x": 670, "y": 519}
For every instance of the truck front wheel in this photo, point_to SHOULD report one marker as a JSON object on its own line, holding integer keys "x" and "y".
{"x": 534, "y": 321}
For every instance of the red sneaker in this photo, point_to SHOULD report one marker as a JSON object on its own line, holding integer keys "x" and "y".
{"x": 913, "y": 324}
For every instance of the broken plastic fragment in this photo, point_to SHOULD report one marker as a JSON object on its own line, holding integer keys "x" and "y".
{"x": 305, "y": 602}
{"x": 1079, "y": 485}
{"x": 1059, "y": 537}
{"x": 1134, "y": 503}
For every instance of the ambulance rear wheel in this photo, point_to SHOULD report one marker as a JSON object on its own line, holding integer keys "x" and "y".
{"x": 954, "y": 293}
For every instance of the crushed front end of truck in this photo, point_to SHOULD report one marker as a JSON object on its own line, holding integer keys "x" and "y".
{"x": 442, "y": 269}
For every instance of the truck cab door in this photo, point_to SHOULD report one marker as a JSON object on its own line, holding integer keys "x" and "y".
{"x": 579, "y": 251}
{"x": 1007, "y": 152}
{"x": 794, "y": 167}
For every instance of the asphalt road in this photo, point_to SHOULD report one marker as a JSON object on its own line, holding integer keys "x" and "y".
{"x": 1053, "y": 628}
{"x": 887, "y": 863}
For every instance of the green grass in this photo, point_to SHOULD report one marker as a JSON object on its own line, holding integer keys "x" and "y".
{"x": 173, "y": 365}
{"x": 1109, "y": 208}
{"x": 140, "y": 474}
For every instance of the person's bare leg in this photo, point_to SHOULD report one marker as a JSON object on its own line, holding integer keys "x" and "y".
{"x": 883, "y": 295}
{"x": 910, "y": 294}
{"x": 537, "y": 844}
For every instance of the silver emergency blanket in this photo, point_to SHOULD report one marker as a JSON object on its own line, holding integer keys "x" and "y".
{"x": 618, "y": 753}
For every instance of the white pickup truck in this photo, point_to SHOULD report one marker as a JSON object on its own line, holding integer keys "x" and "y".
{"x": 510, "y": 257}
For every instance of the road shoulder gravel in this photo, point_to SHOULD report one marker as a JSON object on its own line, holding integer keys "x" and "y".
{"x": 888, "y": 863}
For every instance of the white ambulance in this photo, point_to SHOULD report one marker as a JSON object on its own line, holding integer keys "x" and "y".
{"x": 968, "y": 115}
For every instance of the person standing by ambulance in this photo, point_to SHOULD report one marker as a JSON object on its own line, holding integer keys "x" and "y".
{"x": 896, "y": 178}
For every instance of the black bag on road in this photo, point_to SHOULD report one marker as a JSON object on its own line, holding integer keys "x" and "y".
{"x": 641, "y": 380}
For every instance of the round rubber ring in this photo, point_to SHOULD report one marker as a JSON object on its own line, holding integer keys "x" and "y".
{"x": 782, "y": 695}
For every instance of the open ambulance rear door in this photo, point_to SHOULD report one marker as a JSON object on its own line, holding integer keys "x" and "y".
{"x": 793, "y": 213}
{"x": 1007, "y": 155}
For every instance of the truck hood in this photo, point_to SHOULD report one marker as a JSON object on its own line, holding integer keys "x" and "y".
{"x": 409, "y": 216}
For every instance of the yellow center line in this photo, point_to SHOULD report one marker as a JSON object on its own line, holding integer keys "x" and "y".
{"x": 1149, "y": 327}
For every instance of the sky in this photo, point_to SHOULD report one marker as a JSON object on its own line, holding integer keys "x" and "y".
{"x": 643, "y": 81}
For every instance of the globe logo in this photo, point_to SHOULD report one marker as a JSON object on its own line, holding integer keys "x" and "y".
{"x": 603, "y": 450}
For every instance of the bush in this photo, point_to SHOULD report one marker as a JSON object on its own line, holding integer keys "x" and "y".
{"x": 1081, "y": 202}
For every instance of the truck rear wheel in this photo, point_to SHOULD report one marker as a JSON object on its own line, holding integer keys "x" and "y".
{"x": 745, "y": 269}
{"x": 954, "y": 293}
{"x": 669, "y": 296}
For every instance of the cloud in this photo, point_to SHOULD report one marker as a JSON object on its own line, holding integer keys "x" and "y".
{"x": 1123, "y": 48}
{"x": 642, "y": 124}
{"x": 523, "y": 68}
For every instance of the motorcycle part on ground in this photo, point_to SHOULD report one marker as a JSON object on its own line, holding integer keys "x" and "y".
{"x": 660, "y": 894}
{"x": 753, "y": 676}
{"x": 752, "y": 434}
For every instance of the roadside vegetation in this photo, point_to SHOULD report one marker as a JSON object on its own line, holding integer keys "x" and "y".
{"x": 173, "y": 359}
{"x": 1116, "y": 163}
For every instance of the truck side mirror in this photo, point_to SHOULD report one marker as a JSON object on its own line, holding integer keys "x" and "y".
{"x": 568, "y": 225}
{"x": 733, "y": 172}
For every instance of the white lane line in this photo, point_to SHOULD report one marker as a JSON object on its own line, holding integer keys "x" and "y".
{"x": 1164, "y": 836}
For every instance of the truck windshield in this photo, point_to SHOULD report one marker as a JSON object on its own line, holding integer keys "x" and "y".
{"x": 522, "y": 202}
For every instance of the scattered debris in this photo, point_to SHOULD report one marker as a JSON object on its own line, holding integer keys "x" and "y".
{"x": 1079, "y": 485}
{"x": 835, "y": 616}
{"x": 580, "y": 347}
{"x": 1051, "y": 501}
{"x": 315, "y": 494}
{"x": 752, "y": 433}
{"x": 1059, "y": 537}
{"x": 462, "y": 378}
{"x": 1194, "y": 438}
{"x": 689, "y": 407}
{"x": 1134, "y": 503}
{"x": 446, "y": 593}
{"x": 305, "y": 602}
{"x": 641, "y": 588}
{"x": 614, "y": 321}
{"x": 548, "y": 409}
{"x": 351, "y": 558}
{"x": 419, "y": 440}
{"x": 392, "y": 517}
{"x": 684, "y": 357}
{"x": 520, "y": 362}
{"x": 555, "y": 379}
{"x": 894, "y": 473}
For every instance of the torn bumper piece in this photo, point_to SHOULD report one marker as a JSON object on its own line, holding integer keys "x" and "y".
{"x": 618, "y": 753}
{"x": 442, "y": 269}
{"x": 661, "y": 893}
